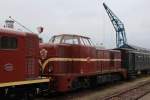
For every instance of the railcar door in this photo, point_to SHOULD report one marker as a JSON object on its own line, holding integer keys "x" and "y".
{"x": 140, "y": 62}
{"x": 9, "y": 55}
{"x": 131, "y": 61}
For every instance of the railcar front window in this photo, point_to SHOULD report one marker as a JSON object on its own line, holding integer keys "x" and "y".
{"x": 8, "y": 42}
{"x": 86, "y": 42}
{"x": 81, "y": 41}
{"x": 91, "y": 42}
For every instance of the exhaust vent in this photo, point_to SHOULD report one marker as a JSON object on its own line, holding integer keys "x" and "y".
{"x": 9, "y": 24}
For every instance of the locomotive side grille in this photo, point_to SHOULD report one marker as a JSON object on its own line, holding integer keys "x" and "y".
{"x": 31, "y": 56}
{"x": 30, "y": 67}
{"x": 30, "y": 46}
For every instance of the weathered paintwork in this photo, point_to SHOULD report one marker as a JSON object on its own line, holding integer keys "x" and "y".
{"x": 65, "y": 62}
{"x": 21, "y": 63}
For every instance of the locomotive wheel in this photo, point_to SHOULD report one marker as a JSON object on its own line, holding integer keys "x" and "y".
{"x": 86, "y": 83}
{"x": 21, "y": 94}
{"x": 83, "y": 82}
{"x": 93, "y": 81}
{"x": 76, "y": 84}
{"x": 29, "y": 94}
{"x": 12, "y": 94}
{"x": 3, "y": 94}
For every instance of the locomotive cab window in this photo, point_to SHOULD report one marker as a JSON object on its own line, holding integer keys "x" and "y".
{"x": 56, "y": 39}
{"x": 70, "y": 40}
{"x": 8, "y": 42}
{"x": 64, "y": 39}
{"x": 85, "y": 41}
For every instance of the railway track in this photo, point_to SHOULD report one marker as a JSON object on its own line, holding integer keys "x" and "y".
{"x": 133, "y": 93}
{"x": 117, "y": 91}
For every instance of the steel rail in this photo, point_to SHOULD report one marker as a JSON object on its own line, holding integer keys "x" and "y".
{"x": 133, "y": 93}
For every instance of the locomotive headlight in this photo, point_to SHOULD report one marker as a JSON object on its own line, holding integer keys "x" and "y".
{"x": 50, "y": 69}
{"x": 43, "y": 54}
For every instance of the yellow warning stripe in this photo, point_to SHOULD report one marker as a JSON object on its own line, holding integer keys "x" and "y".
{"x": 24, "y": 82}
{"x": 105, "y": 60}
{"x": 74, "y": 59}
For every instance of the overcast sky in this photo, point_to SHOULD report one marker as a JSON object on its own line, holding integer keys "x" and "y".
{"x": 85, "y": 17}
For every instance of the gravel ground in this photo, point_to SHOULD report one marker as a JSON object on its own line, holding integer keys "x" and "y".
{"x": 97, "y": 93}
{"x": 146, "y": 97}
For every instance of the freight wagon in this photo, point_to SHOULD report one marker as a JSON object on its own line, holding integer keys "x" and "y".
{"x": 135, "y": 59}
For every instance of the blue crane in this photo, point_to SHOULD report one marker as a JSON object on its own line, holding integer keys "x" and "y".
{"x": 119, "y": 27}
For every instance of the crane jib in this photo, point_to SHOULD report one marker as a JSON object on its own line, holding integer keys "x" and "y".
{"x": 118, "y": 26}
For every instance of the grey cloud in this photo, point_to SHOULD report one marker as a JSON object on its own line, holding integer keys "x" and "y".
{"x": 85, "y": 17}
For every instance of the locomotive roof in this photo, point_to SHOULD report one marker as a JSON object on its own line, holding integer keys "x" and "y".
{"x": 72, "y": 35}
{"x": 13, "y": 32}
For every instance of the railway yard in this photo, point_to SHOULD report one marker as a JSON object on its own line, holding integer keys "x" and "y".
{"x": 70, "y": 66}
{"x": 137, "y": 89}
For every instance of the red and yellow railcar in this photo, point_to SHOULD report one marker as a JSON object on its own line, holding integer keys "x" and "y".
{"x": 74, "y": 62}
{"x": 19, "y": 66}
{"x": 19, "y": 56}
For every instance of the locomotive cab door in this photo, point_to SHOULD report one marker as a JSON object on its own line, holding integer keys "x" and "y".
{"x": 10, "y": 58}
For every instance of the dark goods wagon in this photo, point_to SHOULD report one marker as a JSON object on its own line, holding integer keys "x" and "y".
{"x": 136, "y": 60}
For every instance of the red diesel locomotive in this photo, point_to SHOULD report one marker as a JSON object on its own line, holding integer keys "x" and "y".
{"x": 73, "y": 62}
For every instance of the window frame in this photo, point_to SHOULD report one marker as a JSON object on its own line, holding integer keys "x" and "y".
{"x": 87, "y": 41}
{"x": 79, "y": 40}
{"x": 11, "y": 47}
{"x": 73, "y": 37}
